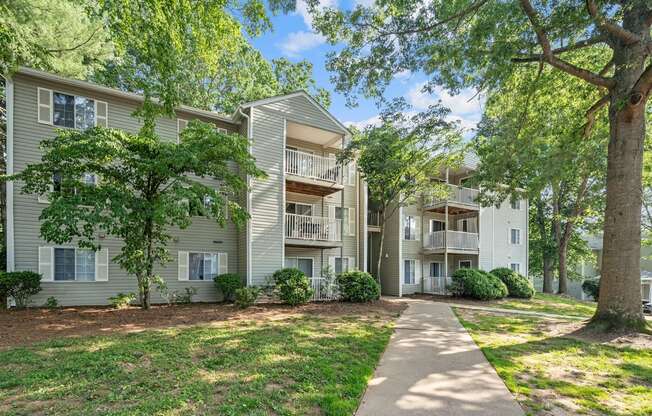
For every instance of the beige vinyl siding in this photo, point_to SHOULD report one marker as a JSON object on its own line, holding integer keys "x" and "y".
{"x": 299, "y": 109}
{"x": 201, "y": 236}
{"x": 267, "y": 206}
{"x": 390, "y": 269}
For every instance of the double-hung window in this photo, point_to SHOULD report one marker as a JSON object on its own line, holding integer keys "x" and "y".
{"x": 342, "y": 264}
{"x": 409, "y": 272}
{"x": 516, "y": 204}
{"x": 347, "y": 215}
{"x": 515, "y": 236}
{"x": 203, "y": 266}
{"x": 74, "y": 264}
{"x": 515, "y": 267}
{"x": 436, "y": 269}
{"x": 410, "y": 228}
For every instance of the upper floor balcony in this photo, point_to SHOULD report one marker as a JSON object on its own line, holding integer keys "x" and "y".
{"x": 460, "y": 200}
{"x": 308, "y": 173}
{"x": 312, "y": 231}
{"x": 373, "y": 220}
{"x": 451, "y": 241}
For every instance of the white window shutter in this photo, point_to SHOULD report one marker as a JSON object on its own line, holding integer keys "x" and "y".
{"x": 101, "y": 114}
{"x": 222, "y": 263}
{"x": 44, "y": 98}
{"x": 351, "y": 173}
{"x": 352, "y": 265}
{"x": 331, "y": 263}
{"x": 417, "y": 228}
{"x": 45, "y": 198}
{"x": 417, "y": 271}
{"x": 102, "y": 265}
{"x": 181, "y": 125}
{"x": 183, "y": 265}
{"x": 473, "y": 225}
{"x": 46, "y": 263}
{"x": 352, "y": 221}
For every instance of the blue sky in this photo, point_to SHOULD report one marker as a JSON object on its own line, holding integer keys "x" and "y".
{"x": 294, "y": 39}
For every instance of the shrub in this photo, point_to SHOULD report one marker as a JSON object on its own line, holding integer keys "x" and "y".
{"x": 186, "y": 297}
{"x": 357, "y": 286}
{"x": 518, "y": 285}
{"x": 19, "y": 285}
{"x": 228, "y": 283}
{"x": 246, "y": 296}
{"x": 477, "y": 284}
{"x": 292, "y": 285}
{"x": 592, "y": 288}
{"x": 51, "y": 303}
{"x": 122, "y": 300}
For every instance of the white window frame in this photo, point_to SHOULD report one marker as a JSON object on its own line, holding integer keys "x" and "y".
{"x": 180, "y": 129}
{"x": 54, "y": 265}
{"x": 297, "y": 258}
{"x": 305, "y": 204}
{"x": 431, "y": 222}
{"x": 518, "y": 267}
{"x": 441, "y": 268}
{"x": 350, "y": 266}
{"x": 348, "y": 230}
{"x": 211, "y": 253}
{"x": 51, "y": 122}
{"x": 509, "y": 236}
{"x": 221, "y": 130}
{"x": 459, "y": 264}
{"x": 350, "y": 174}
{"x": 413, "y": 280}
{"x": 414, "y": 233}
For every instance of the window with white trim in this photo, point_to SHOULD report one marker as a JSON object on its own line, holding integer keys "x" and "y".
{"x": 74, "y": 264}
{"x": 203, "y": 266}
{"x": 516, "y": 267}
{"x": 436, "y": 269}
{"x": 465, "y": 264}
{"x": 410, "y": 228}
{"x": 302, "y": 263}
{"x": 516, "y": 204}
{"x": 342, "y": 264}
{"x": 515, "y": 236}
{"x": 347, "y": 215}
{"x": 73, "y": 111}
{"x": 298, "y": 208}
{"x": 350, "y": 171}
{"x": 409, "y": 271}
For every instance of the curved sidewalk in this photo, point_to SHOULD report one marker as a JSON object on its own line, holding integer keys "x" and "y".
{"x": 433, "y": 367}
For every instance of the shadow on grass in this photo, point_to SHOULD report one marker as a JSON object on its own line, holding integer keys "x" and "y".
{"x": 295, "y": 366}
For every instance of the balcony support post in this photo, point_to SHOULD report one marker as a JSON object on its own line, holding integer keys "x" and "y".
{"x": 342, "y": 210}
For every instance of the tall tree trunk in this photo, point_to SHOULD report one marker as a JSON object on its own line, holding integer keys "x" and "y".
{"x": 619, "y": 302}
{"x": 380, "y": 248}
{"x": 562, "y": 267}
{"x": 547, "y": 273}
{"x": 558, "y": 235}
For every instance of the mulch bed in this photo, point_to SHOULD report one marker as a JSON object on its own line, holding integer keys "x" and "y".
{"x": 24, "y": 327}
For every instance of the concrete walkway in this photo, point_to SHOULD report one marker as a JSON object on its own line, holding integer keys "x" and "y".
{"x": 433, "y": 367}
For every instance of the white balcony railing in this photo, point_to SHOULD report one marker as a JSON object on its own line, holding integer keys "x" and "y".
{"x": 306, "y": 227}
{"x": 373, "y": 218}
{"x": 457, "y": 194}
{"x": 458, "y": 240}
{"x": 311, "y": 166}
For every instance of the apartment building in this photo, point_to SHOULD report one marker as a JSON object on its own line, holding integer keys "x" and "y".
{"x": 427, "y": 241}
{"x": 308, "y": 212}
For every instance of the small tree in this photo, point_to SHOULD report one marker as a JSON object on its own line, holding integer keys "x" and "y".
{"x": 399, "y": 158}
{"x": 145, "y": 187}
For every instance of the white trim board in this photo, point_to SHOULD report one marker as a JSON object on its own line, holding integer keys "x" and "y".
{"x": 9, "y": 91}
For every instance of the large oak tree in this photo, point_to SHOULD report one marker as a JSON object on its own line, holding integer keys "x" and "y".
{"x": 477, "y": 43}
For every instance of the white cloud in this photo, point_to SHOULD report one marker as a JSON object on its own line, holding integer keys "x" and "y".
{"x": 364, "y": 3}
{"x": 371, "y": 121}
{"x": 463, "y": 103}
{"x": 301, "y": 41}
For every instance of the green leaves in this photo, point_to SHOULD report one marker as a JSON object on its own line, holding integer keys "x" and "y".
{"x": 145, "y": 188}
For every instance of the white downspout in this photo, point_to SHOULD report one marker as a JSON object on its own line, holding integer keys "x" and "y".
{"x": 248, "y": 202}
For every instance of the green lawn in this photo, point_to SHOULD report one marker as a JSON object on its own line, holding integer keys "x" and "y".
{"x": 292, "y": 366}
{"x": 561, "y": 375}
{"x": 546, "y": 303}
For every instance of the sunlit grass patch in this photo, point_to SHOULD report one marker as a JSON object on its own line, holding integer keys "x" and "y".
{"x": 550, "y": 373}
{"x": 294, "y": 366}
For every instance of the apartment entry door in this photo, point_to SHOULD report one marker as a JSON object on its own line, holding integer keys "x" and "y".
{"x": 302, "y": 263}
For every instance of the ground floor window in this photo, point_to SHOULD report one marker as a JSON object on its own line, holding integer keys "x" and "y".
{"x": 342, "y": 264}
{"x": 74, "y": 264}
{"x": 302, "y": 263}
{"x": 465, "y": 264}
{"x": 515, "y": 267}
{"x": 409, "y": 272}
{"x": 436, "y": 269}
{"x": 203, "y": 266}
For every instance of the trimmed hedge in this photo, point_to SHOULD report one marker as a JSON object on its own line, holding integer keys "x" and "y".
{"x": 228, "y": 283}
{"x": 518, "y": 285}
{"x": 477, "y": 284}
{"x": 357, "y": 286}
{"x": 292, "y": 285}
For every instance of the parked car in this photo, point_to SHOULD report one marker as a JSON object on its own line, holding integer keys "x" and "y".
{"x": 647, "y": 307}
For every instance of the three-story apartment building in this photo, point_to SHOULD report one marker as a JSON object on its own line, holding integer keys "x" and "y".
{"x": 427, "y": 241}
{"x": 308, "y": 212}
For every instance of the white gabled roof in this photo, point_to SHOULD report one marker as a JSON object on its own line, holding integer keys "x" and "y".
{"x": 299, "y": 93}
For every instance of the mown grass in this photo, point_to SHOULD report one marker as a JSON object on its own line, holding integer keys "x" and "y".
{"x": 560, "y": 375}
{"x": 292, "y": 366}
{"x": 546, "y": 303}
